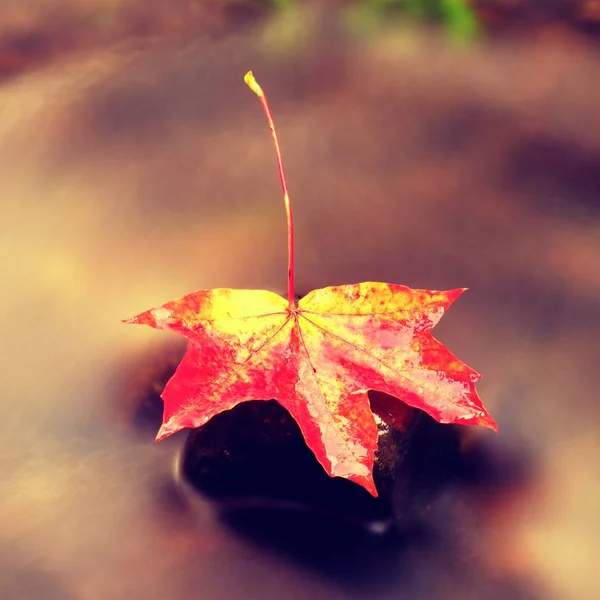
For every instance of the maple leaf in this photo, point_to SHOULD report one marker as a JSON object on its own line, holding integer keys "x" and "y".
{"x": 318, "y": 358}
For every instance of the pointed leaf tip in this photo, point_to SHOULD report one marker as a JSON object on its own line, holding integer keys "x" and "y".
{"x": 483, "y": 419}
{"x": 133, "y": 320}
{"x": 164, "y": 432}
{"x": 488, "y": 421}
{"x": 141, "y": 319}
{"x": 367, "y": 482}
{"x": 454, "y": 294}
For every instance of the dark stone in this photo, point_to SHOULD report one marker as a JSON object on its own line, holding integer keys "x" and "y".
{"x": 255, "y": 456}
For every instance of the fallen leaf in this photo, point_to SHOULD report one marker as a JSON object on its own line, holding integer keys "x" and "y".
{"x": 318, "y": 358}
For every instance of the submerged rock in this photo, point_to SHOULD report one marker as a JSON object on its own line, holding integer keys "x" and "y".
{"x": 255, "y": 456}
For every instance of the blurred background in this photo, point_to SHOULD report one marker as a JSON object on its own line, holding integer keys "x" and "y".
{"x": 434, "y": 143}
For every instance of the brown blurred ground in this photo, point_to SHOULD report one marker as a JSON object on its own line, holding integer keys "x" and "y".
{"x": 38, "y": 32}
{"x": 134, "y": 174}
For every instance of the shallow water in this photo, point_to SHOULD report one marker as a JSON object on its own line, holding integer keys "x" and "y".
{"x": 131, "y": 179}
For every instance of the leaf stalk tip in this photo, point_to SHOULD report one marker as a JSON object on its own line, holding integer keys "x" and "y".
{"x": 253, "y": 84}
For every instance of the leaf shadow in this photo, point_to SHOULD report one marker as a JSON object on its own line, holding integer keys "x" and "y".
{"x": 435, "y": 553}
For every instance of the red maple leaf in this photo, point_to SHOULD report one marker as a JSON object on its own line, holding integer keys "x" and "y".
{"x": 318, "y": 357}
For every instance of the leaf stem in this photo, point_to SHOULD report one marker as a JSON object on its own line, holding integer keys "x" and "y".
{"x": 253, "y": 85}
